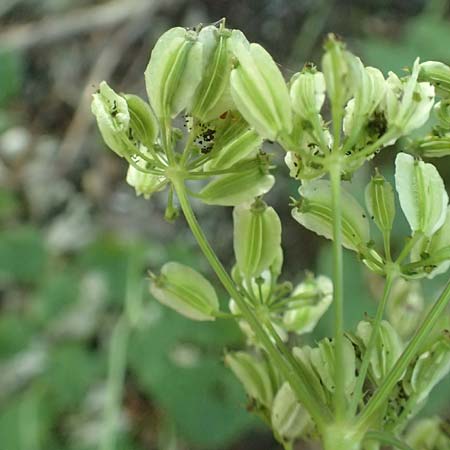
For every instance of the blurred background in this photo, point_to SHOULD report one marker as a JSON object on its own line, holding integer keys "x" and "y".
{"x": 75, "y": 241}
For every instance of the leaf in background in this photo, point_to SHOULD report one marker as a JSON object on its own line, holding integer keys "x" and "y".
{"x": 11, "y": 75}
{"x": 22, "y": 255}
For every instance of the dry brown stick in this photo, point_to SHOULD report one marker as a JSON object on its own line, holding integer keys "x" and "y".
{"x": 74, "y": 22}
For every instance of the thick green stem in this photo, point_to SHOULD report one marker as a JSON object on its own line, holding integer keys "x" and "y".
{"x": 385, "y": 389}
{"x": 338, "y": 290}
{"x": 301, "y": 390}
{"x": 370, "y": 346}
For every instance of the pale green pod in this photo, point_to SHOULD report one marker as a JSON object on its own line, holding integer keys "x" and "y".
{"x": 113, "y": 118}
{"x": 407, "y": 105}
{"x": 315, "y": 213}
{"x": 257, "y": 237}
{"x": 309, "y": 302}
{"x": 431, "y": 256}
{"x": 427, "y": 434}
{"x": 308, "y": 92}
{"x": 253, "y": 374}
{"x": 212, "y": 96}
{"x": 370, "y": 87}
{"x": 405, "y": 306}
{"x": 143, "y": 123}
{"x": 259, "y": 90}
{"x": 438, "y": 74}
{"x": 388, "y": 348}
{"x": 304, "y": 356}
{"x": 323, "y": 361}
{"x": 336, "y": 71}
{"x": 174, "y": 72}
{"x": 145, "y": 184}
{"x": 434, "y": 147}
{"x": 186, "y": 291}
{"x": 289, "y": 418}
{"x": 380, "y": 202}
{"x": 422, "y": 194}
{"x": 236, "y": 188}
{"x": 431, "y": 367}
{"x": 442, "y": 113}
{"x": 234, "y": 141}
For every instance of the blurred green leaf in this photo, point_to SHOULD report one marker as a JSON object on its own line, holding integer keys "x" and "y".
{"x": 11, "y": 75}
{"x": 22, "y": 255}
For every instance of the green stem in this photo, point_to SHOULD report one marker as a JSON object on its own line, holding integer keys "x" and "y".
{"x": 116, "y": 374}
{"x": 384, "y": 390}
{"x": 357, "y": 395}
{"x": 338, "y": 290}
{"x": 313, "y": 406}
{"x": 408, "y": 247}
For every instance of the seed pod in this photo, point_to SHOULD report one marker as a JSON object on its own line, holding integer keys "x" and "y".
{"x": 234, "y": 141}
{"x": 212, "y": 96}
{"x": 186, "y": 291}
{"x": 259, "y": 90}
{"x": 431, "y": 367}
{"x": 257, "y": 237}
{"x": 336, "y": 72}
{"x": 143, "y": 122}
{"x": 323, "y": 361}
{"x": 380, "y": 202}
{"x": 388, "y": 348}
{"x": 438, "y": 74}
{"x": 308, "y": 92}
{"x": 369, "y": 90}
{"x": 422, "y": 194}
{"x": 405, "y": 308}
{"x": 315, "y": 213}
{"x": 309, "y": 302}
{"x": 434, "y": 147}
{"x": 113, "y": 118}
{"x": 253, "y": 374}
{"x": 289, "y": 418}
{"x": 429, "y": 433}
{"x": 407, "y": 105}
{"x": 174, "y": 72}
{"x": 145, "y": 184}
{"x": 236, "y": 188}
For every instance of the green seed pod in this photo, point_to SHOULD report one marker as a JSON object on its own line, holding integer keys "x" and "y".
{"x": 380, "y": 202}
{"x": 234, "y": 141}
{"x": 388, "y": 348}
{"x": 369, "y": 90}
{"x": 315, "y": 213}
{"x": 430, "y": 368}
{"x": 434, "y": 147}
{"x": 145, "y": 184}
{"x": 438, "y": 74}
{"x": 113, "y": 118}
{"x": 422, "y": 194}
{"x": 259, "y": 90}
{"x": 407, "y": 105}
{"x": 289, "y": 419}
{"x": 323, "y": 361}
{"x": 405, "y": 307}
{"x": 429, "y": 433}
{"x": 336, "y": 72}
{"x": 143, "y": 122}
{"x": 309, "y": 302}
{"x": 257, "y": 237}
{"x": 253, "y": 374}
{"x": 174, "y": 72}
{"x": 308, "y": 92}
{"x": 442, "y": 112}
{"x": 236, "y": 188}
{"x": 186, "y": 291}
{"x": 212, "y": 96}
